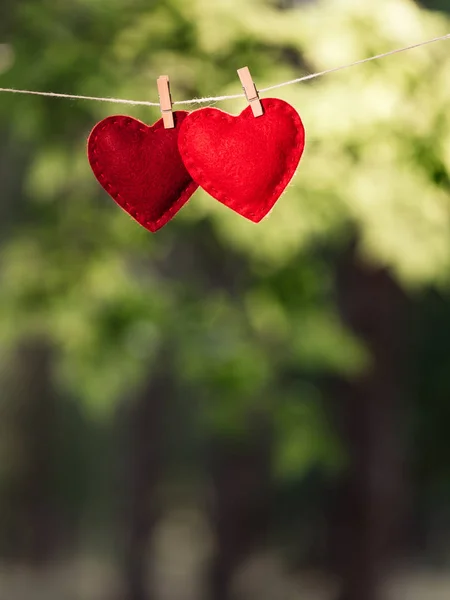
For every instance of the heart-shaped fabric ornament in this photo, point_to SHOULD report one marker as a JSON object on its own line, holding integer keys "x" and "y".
{"x": 244, "y": 162}
{"x": 141, "y": 168}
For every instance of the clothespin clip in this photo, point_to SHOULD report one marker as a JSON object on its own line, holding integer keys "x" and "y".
{"x": 165, "y": 101}
{"x": 250, "y": 91}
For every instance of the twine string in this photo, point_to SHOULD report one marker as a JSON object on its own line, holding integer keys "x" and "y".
{"x": 207, "y": 100}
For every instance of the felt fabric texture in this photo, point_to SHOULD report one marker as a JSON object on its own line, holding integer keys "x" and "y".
{"x": 245, "y": 162}
{"x": 141, "y": 168}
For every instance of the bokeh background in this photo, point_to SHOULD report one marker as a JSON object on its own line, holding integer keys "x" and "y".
{"x": 224, "y": 410}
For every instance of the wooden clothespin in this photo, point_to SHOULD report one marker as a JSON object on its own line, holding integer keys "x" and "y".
{"x": 165, "y": 101}
{"x": 250, "y": 91}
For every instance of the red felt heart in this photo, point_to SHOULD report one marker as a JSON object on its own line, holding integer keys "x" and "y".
{"x": 141, "y": 168}
{"x": 244, "y": 162}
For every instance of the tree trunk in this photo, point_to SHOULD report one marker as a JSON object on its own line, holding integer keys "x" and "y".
{"x": 143, "y": 465}
{"x": 370, "y": 499}
{"x": 241, "y": 479}
{"x": 31, "y": 413}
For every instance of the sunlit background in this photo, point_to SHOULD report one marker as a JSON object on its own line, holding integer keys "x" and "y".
{"x": 223, "y": 410}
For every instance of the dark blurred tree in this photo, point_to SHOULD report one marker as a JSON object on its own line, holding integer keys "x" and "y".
{"x": 370, "y": 505}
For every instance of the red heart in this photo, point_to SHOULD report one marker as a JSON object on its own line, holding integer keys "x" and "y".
{"x": 141, "y": 168}
{"x": 244, "y": 162}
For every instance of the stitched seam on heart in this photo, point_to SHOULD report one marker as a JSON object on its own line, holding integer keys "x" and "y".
{"x": 292, "y": 163}
{"x": 115, "y": 194}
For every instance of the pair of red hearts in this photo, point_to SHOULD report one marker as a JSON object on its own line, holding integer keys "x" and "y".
{"x": 244, "y": 162}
